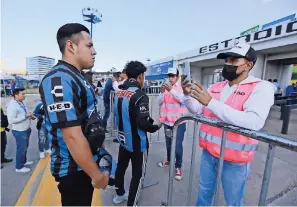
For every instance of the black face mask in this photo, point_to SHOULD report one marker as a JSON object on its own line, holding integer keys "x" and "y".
{"x": 229, "y": 72}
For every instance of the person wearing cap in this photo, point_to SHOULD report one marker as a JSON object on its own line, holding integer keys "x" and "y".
{"x": 241, "y": 100}
{"x": 172, "y": 108}
{"x": 118, "y": 85}
{"x": 131, "y": 106}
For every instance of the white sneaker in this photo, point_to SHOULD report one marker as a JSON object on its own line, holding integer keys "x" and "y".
{"x": 41, "y": 155}
{"x": 48, "y": 151}
{"x": 23, "y": 170}
{"x": 29, "y": 163}
{"x": 119, "y": 199}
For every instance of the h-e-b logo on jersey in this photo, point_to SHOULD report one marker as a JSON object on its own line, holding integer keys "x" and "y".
{"x": 61, "y": 106}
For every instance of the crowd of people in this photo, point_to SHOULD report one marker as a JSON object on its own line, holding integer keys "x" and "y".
{"x": 70, "y": 129}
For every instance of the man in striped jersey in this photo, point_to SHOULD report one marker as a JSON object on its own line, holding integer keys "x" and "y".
{"x": 69, "y": 101}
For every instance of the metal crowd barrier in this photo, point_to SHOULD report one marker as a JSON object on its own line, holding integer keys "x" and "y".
{"x": 273, "y": 141}
{"x": 154, "y": 108}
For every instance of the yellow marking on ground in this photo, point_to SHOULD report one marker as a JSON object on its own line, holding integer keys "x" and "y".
{"x": 47, "y": 193}
{"x": 24, "y": 199}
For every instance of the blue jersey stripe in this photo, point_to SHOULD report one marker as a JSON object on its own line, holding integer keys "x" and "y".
{"x": 126, "y": 123}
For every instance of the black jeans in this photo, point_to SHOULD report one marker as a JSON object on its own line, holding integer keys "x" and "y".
{"x": 139, "y": 160}
{"x": 76, "y": 189}
{"x": 3, "y": 145}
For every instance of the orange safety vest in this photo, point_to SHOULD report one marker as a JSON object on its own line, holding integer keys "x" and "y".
{"x": 238, "y": 148}
{"x": 171, "y": 109}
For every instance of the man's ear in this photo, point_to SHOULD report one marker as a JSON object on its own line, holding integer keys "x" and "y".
{"x": 250, "y": 65}
{"x": 70, "y": 46}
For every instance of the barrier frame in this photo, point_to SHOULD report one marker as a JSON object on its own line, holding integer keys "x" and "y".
{"x": 273, "y": 142}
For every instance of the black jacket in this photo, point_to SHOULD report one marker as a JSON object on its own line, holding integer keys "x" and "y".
{"x": 4, "y": 120}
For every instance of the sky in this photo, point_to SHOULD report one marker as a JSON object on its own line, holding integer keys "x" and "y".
{"x": 131, "y": 29}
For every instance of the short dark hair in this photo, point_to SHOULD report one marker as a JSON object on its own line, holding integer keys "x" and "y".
{"x": 116, "y": 74}
{"x": 17, "y": 91}
{"x": 71, "y": 31}
{"x": 134, "y": 69}
{"x": 270, "y": 80}
{"x": 274, "y": 80}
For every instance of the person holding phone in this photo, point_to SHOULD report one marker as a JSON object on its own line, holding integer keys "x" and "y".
{"x": 172, "y": 108}
{"x": 241, "y": 100}
{"x": 20, "y": 118}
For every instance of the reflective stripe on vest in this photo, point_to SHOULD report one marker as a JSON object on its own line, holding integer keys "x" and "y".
{"x": 238, "y": 148}
{"x": 171, "y": 114}
{"x": 171, "y": 105}
{"x": 229, "y": 144}
{"x": 171, "y": 109}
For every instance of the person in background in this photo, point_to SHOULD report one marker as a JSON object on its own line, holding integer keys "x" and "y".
{"x": 131, "y": 107}
{"x": 8, "y": 89}
{"x": 89, "y": 76}
{"x": 106, "y": 96}
{"x": 20, "y": 118}
{"x": 270, "y": 80}
{"x": 13, "y": 85}
{"x": 43, "y": 142}
{"x": 278, "y": 86}
{"x": 241, "y": 100}
{"x": 99, "y": 84}
{"x": 4, "y": 125}
{"x": 118, "y": 85}
{"x": 171, "y": 109}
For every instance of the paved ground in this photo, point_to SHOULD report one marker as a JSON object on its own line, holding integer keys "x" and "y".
{"x": 282, "y": 189}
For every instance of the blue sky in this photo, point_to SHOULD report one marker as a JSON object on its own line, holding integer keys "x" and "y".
{"x": 131, "y": 29}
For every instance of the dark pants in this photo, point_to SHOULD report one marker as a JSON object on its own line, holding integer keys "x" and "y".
{"x": 22, "y": 142}
{"x": 179, "y": 144}
{"x": 106, "y": 112}
{"x": 139, "y": 160}
{"x": 76, "y": 189}
{"x": 3, "y": 144}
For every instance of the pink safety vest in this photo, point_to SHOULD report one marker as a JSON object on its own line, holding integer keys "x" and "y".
{"x": 171, "y": 109}
{"x": 238, "y": 148}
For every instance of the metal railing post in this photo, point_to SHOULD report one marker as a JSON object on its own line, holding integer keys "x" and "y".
{"x": 172, "y": 166}
{"x": 192, "y": 166}
{"x": 286, "y": 119}
{"x": 282, "y": 111}
{"x": 220, "y": 168}
{"x": 267, "y": 174}
{"x": 151, "y": 113}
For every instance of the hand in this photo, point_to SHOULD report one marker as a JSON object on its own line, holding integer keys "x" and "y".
{"x": 32, "y": 117}
{"x": 97, "y": 90}
{"x": 160, "y": 125}
{"x": 29, "y": 115}
{"x": 200, "y": 94}
{"x": 186, "y": 85}
{"x": 102, "y": 181}
{"x": 162, "y": 89}
{"x": 168, "y": 86}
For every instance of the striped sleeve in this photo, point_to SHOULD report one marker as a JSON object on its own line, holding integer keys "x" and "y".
{"x": 60, "y": 96}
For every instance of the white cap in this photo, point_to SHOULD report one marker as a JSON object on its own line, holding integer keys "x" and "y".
{"x": 241, "y": 49}
{"x": 172, "y": 71}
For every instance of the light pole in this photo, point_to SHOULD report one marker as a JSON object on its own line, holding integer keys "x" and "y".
{"x": 91, "y": 15}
